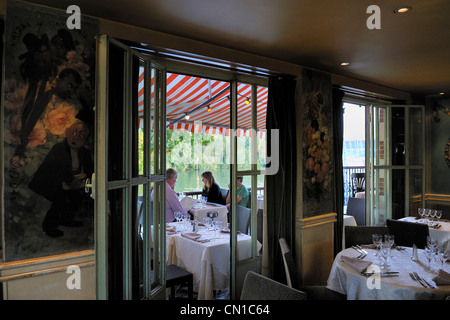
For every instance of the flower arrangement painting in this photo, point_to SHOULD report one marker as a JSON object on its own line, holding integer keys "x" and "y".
{"x": 318, "y": 176}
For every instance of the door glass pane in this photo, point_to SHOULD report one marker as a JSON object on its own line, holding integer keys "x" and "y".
{"x": 138, "y": 116}
{"x": 398, "y": 193}
{"x": 116, "y": 114}
{"x": 415, "y": 191}
{"x": 415, "y": 147}
{"x": 381, "y": 151}
{"x": 244, "y": 126}
{"x": 380, "y": 198}
{"x": 398, "y": 136}
{"x": 115, "y": 245}
{"x": 261, "y": 111}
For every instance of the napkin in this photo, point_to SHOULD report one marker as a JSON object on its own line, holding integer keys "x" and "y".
{"x": 358, "y": 265}
{"x": 227, "y": 230}
{"x": 171, "y": 228}
{"x": 191, "y": 235}
{"x": 442, "y": 278}
{"x": 170, "y": 233}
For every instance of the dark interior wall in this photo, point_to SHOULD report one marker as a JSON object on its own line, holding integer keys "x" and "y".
{"x": 438, "y": 110}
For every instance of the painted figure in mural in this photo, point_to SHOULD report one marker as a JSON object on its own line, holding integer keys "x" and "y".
{"x": 65, "y": 87}
{"x": 61, "y": 179}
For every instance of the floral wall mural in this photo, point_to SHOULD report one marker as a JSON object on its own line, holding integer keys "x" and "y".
{"x": 318, "y": 196}
{"x": 48, "y": 132}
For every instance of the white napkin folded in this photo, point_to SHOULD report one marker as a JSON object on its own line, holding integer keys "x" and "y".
{"x": 442, "y": 278}
{"x": 358, "y": 265}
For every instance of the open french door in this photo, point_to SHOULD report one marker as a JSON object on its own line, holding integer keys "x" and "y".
{"x": 130, "y": 179}
{"x": 395, "y": 162}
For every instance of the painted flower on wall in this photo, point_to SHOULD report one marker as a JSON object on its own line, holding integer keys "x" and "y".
{"x": 317, "y": 173}
{"x": 57, "y": 120}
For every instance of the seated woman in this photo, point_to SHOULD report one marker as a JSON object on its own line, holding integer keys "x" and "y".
{"x": 211, "y": 188}
{"x": 242, "y": 194}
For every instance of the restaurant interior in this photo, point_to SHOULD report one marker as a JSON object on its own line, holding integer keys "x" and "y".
{"x": 100, "y": 100}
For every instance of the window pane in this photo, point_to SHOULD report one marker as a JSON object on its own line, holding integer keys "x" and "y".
{"x": 415, "y": 147}
{"x": 116, "y": 114}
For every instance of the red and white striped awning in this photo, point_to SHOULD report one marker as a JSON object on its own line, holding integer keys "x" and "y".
{"x": 207, "y": 103}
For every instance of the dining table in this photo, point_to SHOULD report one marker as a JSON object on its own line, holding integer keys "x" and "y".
{"x": 439, "y": 230}
{"x": 206, "y": 254}
{"x": 365, "y": 279}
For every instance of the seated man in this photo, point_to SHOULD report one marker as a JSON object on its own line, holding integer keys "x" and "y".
{"x": 172, "y": 202}
{"x": 242, "y": 194}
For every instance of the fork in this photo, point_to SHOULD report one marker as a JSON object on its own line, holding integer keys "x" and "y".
{"x": 416, "y": 279}
{"x": 419, "y": 278}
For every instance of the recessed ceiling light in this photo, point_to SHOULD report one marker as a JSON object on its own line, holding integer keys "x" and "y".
{"x": 402, "y": 9}
{"x": 345, "y": 63}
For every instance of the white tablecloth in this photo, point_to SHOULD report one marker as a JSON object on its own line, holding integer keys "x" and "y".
{"x": 200, "y": 212}
{"x": 442, "y": 234}
{"x": 209, "y": 262}
{"x": 346, "y": 280}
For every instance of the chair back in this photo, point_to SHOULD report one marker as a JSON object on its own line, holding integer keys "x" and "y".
{"x": 258, "y": 287}
{"x": 356, "y": 207}
{"x": 223, "y": 196}
{"x": 358, "y": 181}
{"x": 243, "y": 219}
{"x": 289, "y": 264}
{"x": 408, "y": 233}
{"x": 355, "y": 235}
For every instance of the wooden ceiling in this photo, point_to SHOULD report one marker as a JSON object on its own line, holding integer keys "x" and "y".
{"x": 411, "y": 52}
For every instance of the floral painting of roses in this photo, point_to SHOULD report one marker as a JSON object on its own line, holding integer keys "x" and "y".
{"x": 48, "y": 99}
{"x": 317, "y": 144}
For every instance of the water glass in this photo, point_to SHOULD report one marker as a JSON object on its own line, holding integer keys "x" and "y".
{"x": 385, "y": 252}
{"x": 218, "y": 225}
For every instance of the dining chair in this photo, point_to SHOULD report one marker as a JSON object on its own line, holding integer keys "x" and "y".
{"x": 355, "y": 235}
{"x": 243, "y": 219}
{"x": 178, "y": 276}
{"x": 408, "y": 233}
{"x": 356, "y": 207}
{"x": 259, "y": 287}
{"x": 358, "y": 182}
{"x": 312, "y": 292}
{"x": 223, "y": 195}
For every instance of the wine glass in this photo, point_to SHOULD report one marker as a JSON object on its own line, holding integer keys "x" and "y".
{"x": 432, "y": 242}
{"x": 432, "y": 215}
{"x": 377, "y": 239}
{"x": 177, "y": 215}
{"x": 438, "y": 215}
{"x": 429, "y": 254}
{"x": 441, "y": 255}
{"x": 427, "y": 215}
{"x": 420, "y": 213}
{"x": 389, "y": 238}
